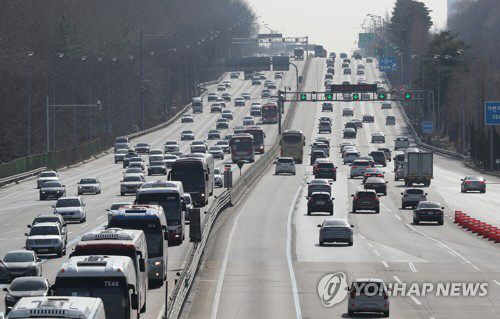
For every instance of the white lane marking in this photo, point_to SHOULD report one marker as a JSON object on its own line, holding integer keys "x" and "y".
{"x": 100, "y": 217}
{"x": 376, "y": 252}
{"x": 70, "y": 232}
{"x": 385, "y": 264}
{"x": 296, "y": 300}
{"x": 370, "y": 244}
{"x": 451, "y": 253}
{"x": 12, "y": 231}
{"x": 397, "y": 279}
{"x": 361, "y": 236}
{"x": 412, "y": 267}
{"x": 84, "y": 225}
{"x": 495, "y": 281}
{"x": 397, "y": 216}
{"x": 415, "y": 300}
{"x": 444, "y": 246}
{"x": 215, "y": 305}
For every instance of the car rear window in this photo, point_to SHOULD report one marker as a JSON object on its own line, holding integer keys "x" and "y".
{"x": 415, "y": 191}
{"x": 325, "y": 165}
{"x": 363, "y": 163}
{"x": 366, "y": 195}
{"x": 324, "y": 197}
{"x": 285, "y": 160}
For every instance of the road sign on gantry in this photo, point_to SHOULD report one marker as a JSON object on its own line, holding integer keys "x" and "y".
{"x": 349, "y": 88}
{"x": 388, "y": 63}
{"x": 427, "y": 127}
{"x": 249, "y": 64}
{"x": 280, "y": 63}
{"x": 492, "y": 113}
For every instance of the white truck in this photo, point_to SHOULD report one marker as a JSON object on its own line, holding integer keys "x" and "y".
{"x": 418, "y": 168}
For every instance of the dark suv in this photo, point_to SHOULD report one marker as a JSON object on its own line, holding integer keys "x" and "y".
{"x": 317, "y": 154}
{"x": 365, "y": 200}
{"x": 326, "y": 170}
{"x": 379, "y": 157}
{"x": 327, "y": 106}
{"x": 378, "y": 184}
{"x": 320, "y": 202}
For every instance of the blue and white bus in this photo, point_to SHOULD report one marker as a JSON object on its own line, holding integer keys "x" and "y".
{"x": 152, "y": 221}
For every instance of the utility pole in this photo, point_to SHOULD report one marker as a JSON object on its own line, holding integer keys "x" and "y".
{"x": 141, "y": 66}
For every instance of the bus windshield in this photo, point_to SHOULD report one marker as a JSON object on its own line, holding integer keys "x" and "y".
{"x": 191, "y": 176}
{"x": 112, "y": 291}
{"x": 241, "y": 145}
{"x": 170, "y": 202}
{"x": 152, "y": 229}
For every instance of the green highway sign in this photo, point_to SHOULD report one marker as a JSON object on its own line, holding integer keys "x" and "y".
{"x": 366, "y": 37}
{"x": 381, "y": 96}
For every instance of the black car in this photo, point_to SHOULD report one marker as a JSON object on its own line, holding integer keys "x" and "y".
{"x": 378, "y": 184}
{"x": 52, "y": 189}
{"x": 327, "y": 106}
{"x": 157, "y": 167}
{"x": 317, "y": 154}
{"x": 25, "y": 287}
{"x": 428, "y": 211}
{"x": 387, "y": 152}
{"x": 319, "y": 202}
{"x": 20, "y": 263}
{"x": 326, "y": 170}
{"x": 365, "y": 200}
{"x": 379, "y": 157}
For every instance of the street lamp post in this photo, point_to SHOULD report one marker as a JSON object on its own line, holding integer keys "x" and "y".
{"x": 30, "y": 54}
{"x": 437, "y": 57}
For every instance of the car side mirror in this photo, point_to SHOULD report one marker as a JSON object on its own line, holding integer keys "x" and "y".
{"x": 26, "y": 234}
{"x": 426, "y": 194}
{"x": 317, "y": 226}
{"x": 38, "y": 260}
{"x": 386, "y": 182}
{"x": 53, "y": 206}
{"x": 401, "y": 193}
{"x": 352, "y": 226}
{"x": 352, "y": 195}
{"x": 333, "y": 198}
{"x": 5, "y": 289}
{"x": 307, "y": 197}
{"x": 29, "y": 226}
{"x": 442, "y": 207}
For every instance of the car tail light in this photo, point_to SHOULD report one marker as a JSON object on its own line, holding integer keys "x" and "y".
{"x": 355, "y": 198}
{"x": 376, "y": 198}
{"x": 386, "y": 296}
{"x": 367, "y": 175}
{"x": 354, "y": 167}
{"x": 482, "y": 182}
{"x": 353, "y": 293}
{"x": 380, "y": 175}
{"x": 468, "y": 182}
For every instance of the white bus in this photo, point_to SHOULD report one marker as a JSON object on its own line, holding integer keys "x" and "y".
{"x": 59, "y": 307}
{"x": 152, "y": 221}
{"x": 111, "y": 278}
{"x": 292, "y": 145}
{"x": 119, "y": 242}
{"x": 196, "y": 173}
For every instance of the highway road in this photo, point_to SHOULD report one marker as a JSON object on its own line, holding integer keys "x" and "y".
{"x": 264, "y": 260}
{"x": 20, "y": 202}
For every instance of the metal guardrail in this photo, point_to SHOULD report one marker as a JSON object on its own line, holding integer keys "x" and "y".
{"x": 18, "y": 177}
{"x": 187, "y": 276}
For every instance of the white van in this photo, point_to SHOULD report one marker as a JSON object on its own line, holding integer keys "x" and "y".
{"x": 401, "y": 142}
{"x": 58, "y": 307}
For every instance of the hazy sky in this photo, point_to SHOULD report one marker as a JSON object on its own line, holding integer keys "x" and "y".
{"x": 332, "y": 23}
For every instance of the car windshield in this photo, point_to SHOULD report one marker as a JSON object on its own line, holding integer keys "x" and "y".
{"x": 51, "y": 184}
{"x": 68, "y": 202}
{"x": 170, "y": 157}
{"x": 44, "y": 230}
{"x": 121, "y": 151}
{"x": 216, "y": 149}
{"x": 222, "y": 143}
{"x": 18, "y": 257}
{"x": 187, "y": 132}
{"x": 88, "y": 181}
{"x": 133, "y": 170}
{"x": 142, "y": 145}
{"x": 132, "y": 179}
{"x": 48, "y": 174}
{"x": 157, "y": 163}
{"x": 172, "y": 142}
{"x": 28, "y": 285}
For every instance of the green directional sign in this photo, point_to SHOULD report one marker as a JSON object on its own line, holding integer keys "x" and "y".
{"x": 408, "y": 95}
{"x": 303, "y": 97}
{"x": 329, "y": 96}
{"x": 366, "y": 37}
{"x": 382, "y": 96}
{"x": 355, "y": 96}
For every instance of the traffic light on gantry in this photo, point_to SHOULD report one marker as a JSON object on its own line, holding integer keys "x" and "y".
{"x": 329, "y": 96}
{"x": 407, "y": 96}
{"x": 382, "y": 96}
{"x": 355, "y": 96}
{"x": 303, "y": 97}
